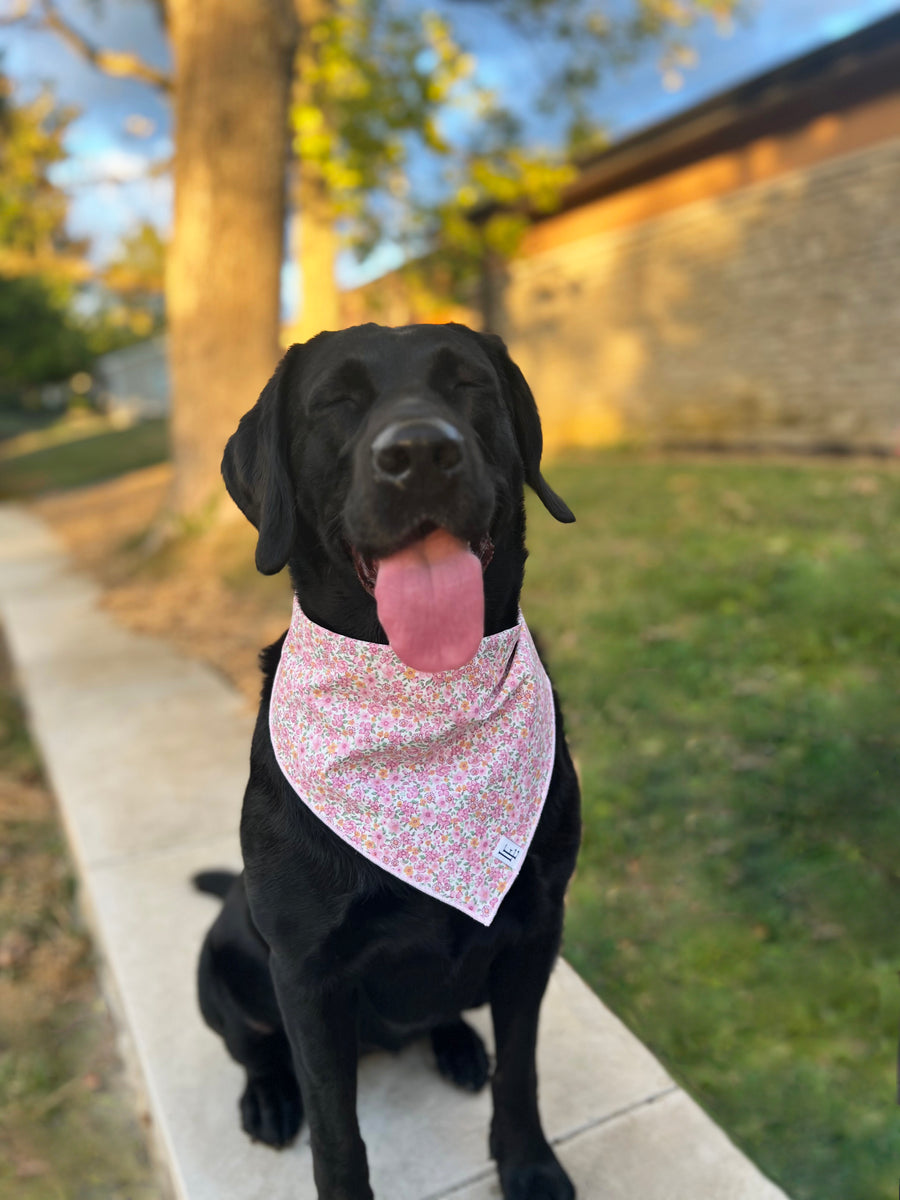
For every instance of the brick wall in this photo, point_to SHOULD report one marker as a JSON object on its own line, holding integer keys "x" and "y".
{"x": 769, "y": 316}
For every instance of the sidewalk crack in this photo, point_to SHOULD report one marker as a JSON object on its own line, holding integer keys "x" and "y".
{"x": 560, "y": 1140}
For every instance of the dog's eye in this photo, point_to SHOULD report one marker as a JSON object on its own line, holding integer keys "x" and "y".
{"x": 467, "y": 394}
{"x": 333, "y": 400}
{"x": 466, "y": 389}
{"x": 470, "y": 385}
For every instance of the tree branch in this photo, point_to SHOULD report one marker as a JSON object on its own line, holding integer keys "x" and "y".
{"x": 21, "y": 9}
{"x": 120, "y": 64}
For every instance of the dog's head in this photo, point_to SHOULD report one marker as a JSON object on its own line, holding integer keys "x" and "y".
{"x": 397, "y": 456}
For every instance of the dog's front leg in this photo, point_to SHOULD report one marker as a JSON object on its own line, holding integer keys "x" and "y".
{"x": 321, "y": 1027}
{"x": 529, "y": 1170}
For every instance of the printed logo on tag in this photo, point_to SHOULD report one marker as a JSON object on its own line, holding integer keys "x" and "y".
{"x": 508, "y": 852}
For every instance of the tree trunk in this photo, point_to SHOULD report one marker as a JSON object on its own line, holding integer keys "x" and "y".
{"x": 233, "y": 67}
{"x": 315, "y": 239}
{"x": 315, "y": 252}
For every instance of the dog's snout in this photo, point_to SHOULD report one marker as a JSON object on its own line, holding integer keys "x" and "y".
{"x": 407, "y": 450}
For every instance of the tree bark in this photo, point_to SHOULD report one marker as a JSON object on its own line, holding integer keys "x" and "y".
{"x": 233, "y": 67}
{"x": 315, "y": 252}
{"x": 315, "y": 238}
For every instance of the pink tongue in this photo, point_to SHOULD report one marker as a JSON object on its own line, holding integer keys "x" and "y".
{"x": 431, "y": 602}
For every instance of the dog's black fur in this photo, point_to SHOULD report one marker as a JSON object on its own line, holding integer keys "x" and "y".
{"x": 317, "y": 953}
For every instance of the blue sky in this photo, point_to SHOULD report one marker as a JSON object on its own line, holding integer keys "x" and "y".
{"x": 124, "y": 125}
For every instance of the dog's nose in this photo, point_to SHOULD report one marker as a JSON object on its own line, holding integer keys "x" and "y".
{"x": 414, "y": 449}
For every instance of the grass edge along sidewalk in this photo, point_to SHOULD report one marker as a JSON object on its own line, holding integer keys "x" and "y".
{"x": 68, "y": 1111}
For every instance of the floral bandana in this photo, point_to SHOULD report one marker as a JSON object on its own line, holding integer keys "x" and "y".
{"x": 439, "y": 779}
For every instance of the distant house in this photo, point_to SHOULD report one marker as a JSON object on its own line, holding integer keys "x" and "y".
{"x": 134, "y": 383}
{"x": 730, "y": 277}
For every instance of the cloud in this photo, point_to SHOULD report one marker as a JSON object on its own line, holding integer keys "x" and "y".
{"x": 106, "y": 212}
{"x": 111, "y": 193}
{"x": 112, "y": 164}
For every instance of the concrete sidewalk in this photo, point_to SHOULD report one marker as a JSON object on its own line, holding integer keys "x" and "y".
{"x": 147, "y": 754}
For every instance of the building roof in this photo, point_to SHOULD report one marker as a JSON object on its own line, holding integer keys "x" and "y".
{"x": 838, "y": 75}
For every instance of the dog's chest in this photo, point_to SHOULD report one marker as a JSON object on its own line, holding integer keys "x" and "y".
{"x": 409, "y": 993}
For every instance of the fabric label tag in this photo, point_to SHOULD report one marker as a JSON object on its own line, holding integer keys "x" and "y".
{"x": 508, "y": 852}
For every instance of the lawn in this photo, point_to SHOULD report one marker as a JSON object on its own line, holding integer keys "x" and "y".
{"x": 725, "y": 637}
{"x": 83, "y": 460}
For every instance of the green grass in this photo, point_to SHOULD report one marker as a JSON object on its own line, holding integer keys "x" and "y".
{"x": 16, "y": 421}
{"x": 726, "y": 639}
{"x": 86, "y": 460}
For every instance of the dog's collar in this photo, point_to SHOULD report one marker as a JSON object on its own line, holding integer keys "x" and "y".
{"x": 438, "y": 779}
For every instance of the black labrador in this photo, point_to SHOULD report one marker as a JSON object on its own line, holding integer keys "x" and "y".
{"x": 362, "y": 441}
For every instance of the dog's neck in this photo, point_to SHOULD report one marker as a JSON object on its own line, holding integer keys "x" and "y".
{"x": 331, "y": 595}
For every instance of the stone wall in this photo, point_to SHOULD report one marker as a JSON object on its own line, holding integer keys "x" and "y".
{"x": 767, "y": 317}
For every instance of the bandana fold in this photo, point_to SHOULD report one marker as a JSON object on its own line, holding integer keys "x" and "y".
{"x": 438, "y": 779}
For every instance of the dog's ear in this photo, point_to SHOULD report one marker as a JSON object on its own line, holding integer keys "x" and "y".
{"x": 256, "y": 468}
{"x": 526, "y": 424}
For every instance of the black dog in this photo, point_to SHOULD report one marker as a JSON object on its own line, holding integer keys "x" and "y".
{"x": 362, "y": 442}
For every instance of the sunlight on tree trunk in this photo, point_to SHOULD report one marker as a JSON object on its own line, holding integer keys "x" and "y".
{"x": 315, "y": 237}
{"x": 233, "y": 66}
{"x": 315, "y": 252}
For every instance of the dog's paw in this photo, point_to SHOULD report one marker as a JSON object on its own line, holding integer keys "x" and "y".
{"x": 271, "y": 1109}
{"x": 538, "y": 1181}
{"x": 461, "y": 1056}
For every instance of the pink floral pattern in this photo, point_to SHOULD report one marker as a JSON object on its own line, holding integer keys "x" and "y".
{"x": 429, "y": 776}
